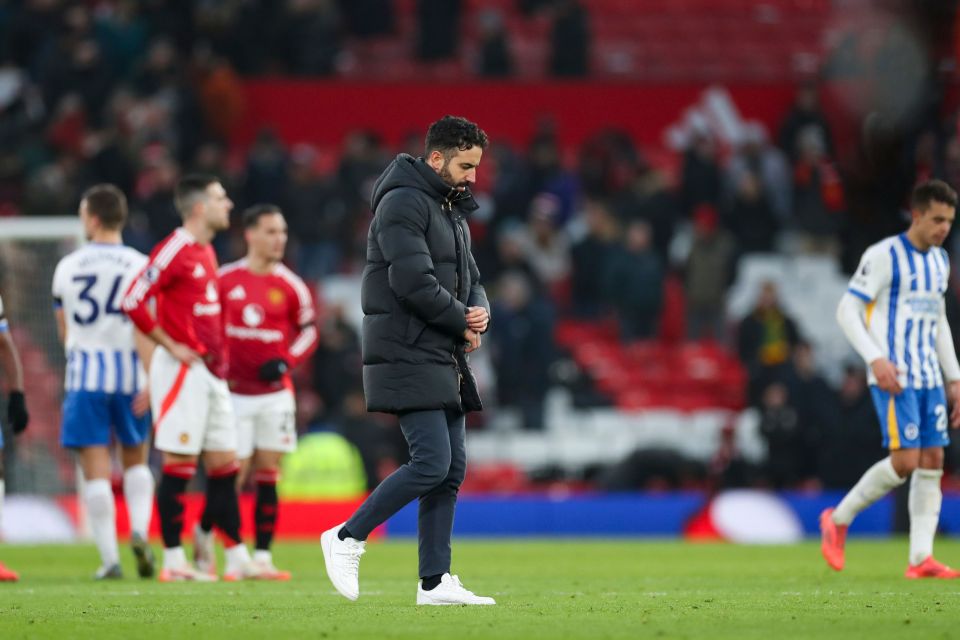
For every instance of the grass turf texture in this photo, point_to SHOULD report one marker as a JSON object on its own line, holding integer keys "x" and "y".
{"x": 555, "y": 589}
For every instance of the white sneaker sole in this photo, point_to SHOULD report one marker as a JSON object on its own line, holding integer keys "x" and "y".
{"x": 455, "y": 604}
{"x": 326, "y": 544}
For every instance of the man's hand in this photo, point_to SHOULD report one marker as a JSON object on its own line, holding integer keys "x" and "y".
{"x": 183, "y": 353}
{"x": 273, "y": 370}
{"x": 953, "y": 396}
{"x": 886, "y": 374}
{"x": 17, "y": 412}
{"x": 477, "y": 319}
{"x": 473, "y": 340}
{"x": 141, "y": 403}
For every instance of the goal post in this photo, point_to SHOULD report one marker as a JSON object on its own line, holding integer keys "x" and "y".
{"x": 30, "y": 249}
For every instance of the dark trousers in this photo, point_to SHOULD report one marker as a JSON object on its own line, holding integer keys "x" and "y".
{"x": 438, "y": 463}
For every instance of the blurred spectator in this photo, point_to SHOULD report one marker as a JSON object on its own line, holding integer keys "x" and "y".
{"x": 766, "y": 338}
{"x": 545, "y": 247}
{"x": 221, "y": 94}
{"x": 791, "y": 446}
{"x": 153, "y": 192}
{"x": 267, "y": 169}
{"x": 818, "y": 196}
{"x": 336, "y": 363}
{"x": 496, "y": 58}
{"x": 368, "y": 18}
{"x": 158, "y": 70}
{"x": 815, "y": 399}
{"x": 634, "y": 284}
{"x": 122, "y": 34}
{"x": 438, "y": 33}
{"x": 523, "y": 347}
{"x": 545, "y": 173}
{"x": 805, "y": 113}
{"x": 750, "y": 217}
{"x": 646, "y": 198}
{"x": 757, "y": 157}
{"x": 317, "y": 217}
{"x": 530, "y": 7}
{"x": 307, "y": 40}
{"x": 361, "y": 162}
{"x": 709, "y": 271}
{"x": 512, "y": 256}
{"x": 569, "y": 40}
{"x": 653, "y": 470}
{"x": 853, "y": 443}
{"x": 700, "y": 181}
{"x": 591, "y": 260}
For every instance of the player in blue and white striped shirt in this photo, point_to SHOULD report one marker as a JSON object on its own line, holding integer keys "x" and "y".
{"x": 894, "y": 316}
{"x": 16, "y": 408}
{"x": 104, "y": 376}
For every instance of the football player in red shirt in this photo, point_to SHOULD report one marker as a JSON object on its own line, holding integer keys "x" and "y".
{"x": 190, "y": 400}
{"x": 270, "y": 328}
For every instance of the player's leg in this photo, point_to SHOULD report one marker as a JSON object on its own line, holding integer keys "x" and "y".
{"x": 86, "y": 430}
{"x": 244, "y": 409}
{"x": 274, "y": 435}
{"x": 266, "y": 473}
{"x": 435, "y": 527}
{"x": 101, "y": 508}
{"x": 179, "y": 406}
{"x": 138, "y": 484}
{"x": 220, "y": 461}
{"x": 925, "y": 494}
{"x": 6, "y": 575}
{"x": 897, "y": 415}
{"x": 429, "y": 441}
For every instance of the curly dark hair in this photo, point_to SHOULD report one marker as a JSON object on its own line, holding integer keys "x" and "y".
{"x": 452, "y": 132}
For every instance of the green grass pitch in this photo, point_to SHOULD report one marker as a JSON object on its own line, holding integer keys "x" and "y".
{"x": 544, "y": 589}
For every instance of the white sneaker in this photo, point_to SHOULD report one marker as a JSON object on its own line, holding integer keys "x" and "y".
{"x": 203, "y": 554}
{"x": 450, "y": 591}
{"x": 342, "y": 558}
{"x": 256, "y": 570}
{"x": 186, "y": 573}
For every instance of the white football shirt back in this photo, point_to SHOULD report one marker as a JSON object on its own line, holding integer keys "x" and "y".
{"x": 89, "y": 285}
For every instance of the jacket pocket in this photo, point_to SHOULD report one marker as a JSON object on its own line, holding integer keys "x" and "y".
{"x": 415, "y": 328}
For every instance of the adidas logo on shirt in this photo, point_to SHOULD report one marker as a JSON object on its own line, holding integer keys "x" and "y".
{"x": 199, "y": 271}
{"x": 237, "y": 293}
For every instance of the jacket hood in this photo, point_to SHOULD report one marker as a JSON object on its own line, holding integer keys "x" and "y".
{"x": 408, "y": 172}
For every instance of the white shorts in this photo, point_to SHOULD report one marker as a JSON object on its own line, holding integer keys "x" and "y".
{"x": 191, "y": 407}
{"x": 265, "y": 422}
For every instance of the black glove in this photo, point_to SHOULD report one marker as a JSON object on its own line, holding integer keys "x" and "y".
{"x": 273, "y": 370}
{"x": 17, "y": 412}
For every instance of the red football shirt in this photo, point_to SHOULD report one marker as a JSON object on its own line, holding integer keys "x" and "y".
{"x": 266, "y": 317}
{"x": 182, "y": 277}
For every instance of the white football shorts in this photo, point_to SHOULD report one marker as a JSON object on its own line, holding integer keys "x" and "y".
{"x": 191, "y": 407}
{"x": 265, "y": 422}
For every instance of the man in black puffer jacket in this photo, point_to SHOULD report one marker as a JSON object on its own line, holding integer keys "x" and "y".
{"x": 422, "y": 302}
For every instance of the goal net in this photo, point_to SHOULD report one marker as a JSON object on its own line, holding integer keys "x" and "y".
{"x": 29, "y": 251}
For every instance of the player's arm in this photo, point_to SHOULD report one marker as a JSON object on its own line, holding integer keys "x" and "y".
{"x": 947, "y": 355}
{"x": 61, "y": 324}
{"x": 304, "y": 316}
{"x": 136, "y": 304}
{"x": 13, "y": 373}
{"x": 144, "y": 347}
{"x": 58, "y": 292}
{"x": 871, "y": 276}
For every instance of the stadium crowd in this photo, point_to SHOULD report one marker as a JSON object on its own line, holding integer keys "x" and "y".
{"x": 138, "y": 93}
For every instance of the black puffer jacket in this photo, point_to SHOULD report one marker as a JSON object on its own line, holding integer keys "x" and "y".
{"x": 419, "y": 280}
